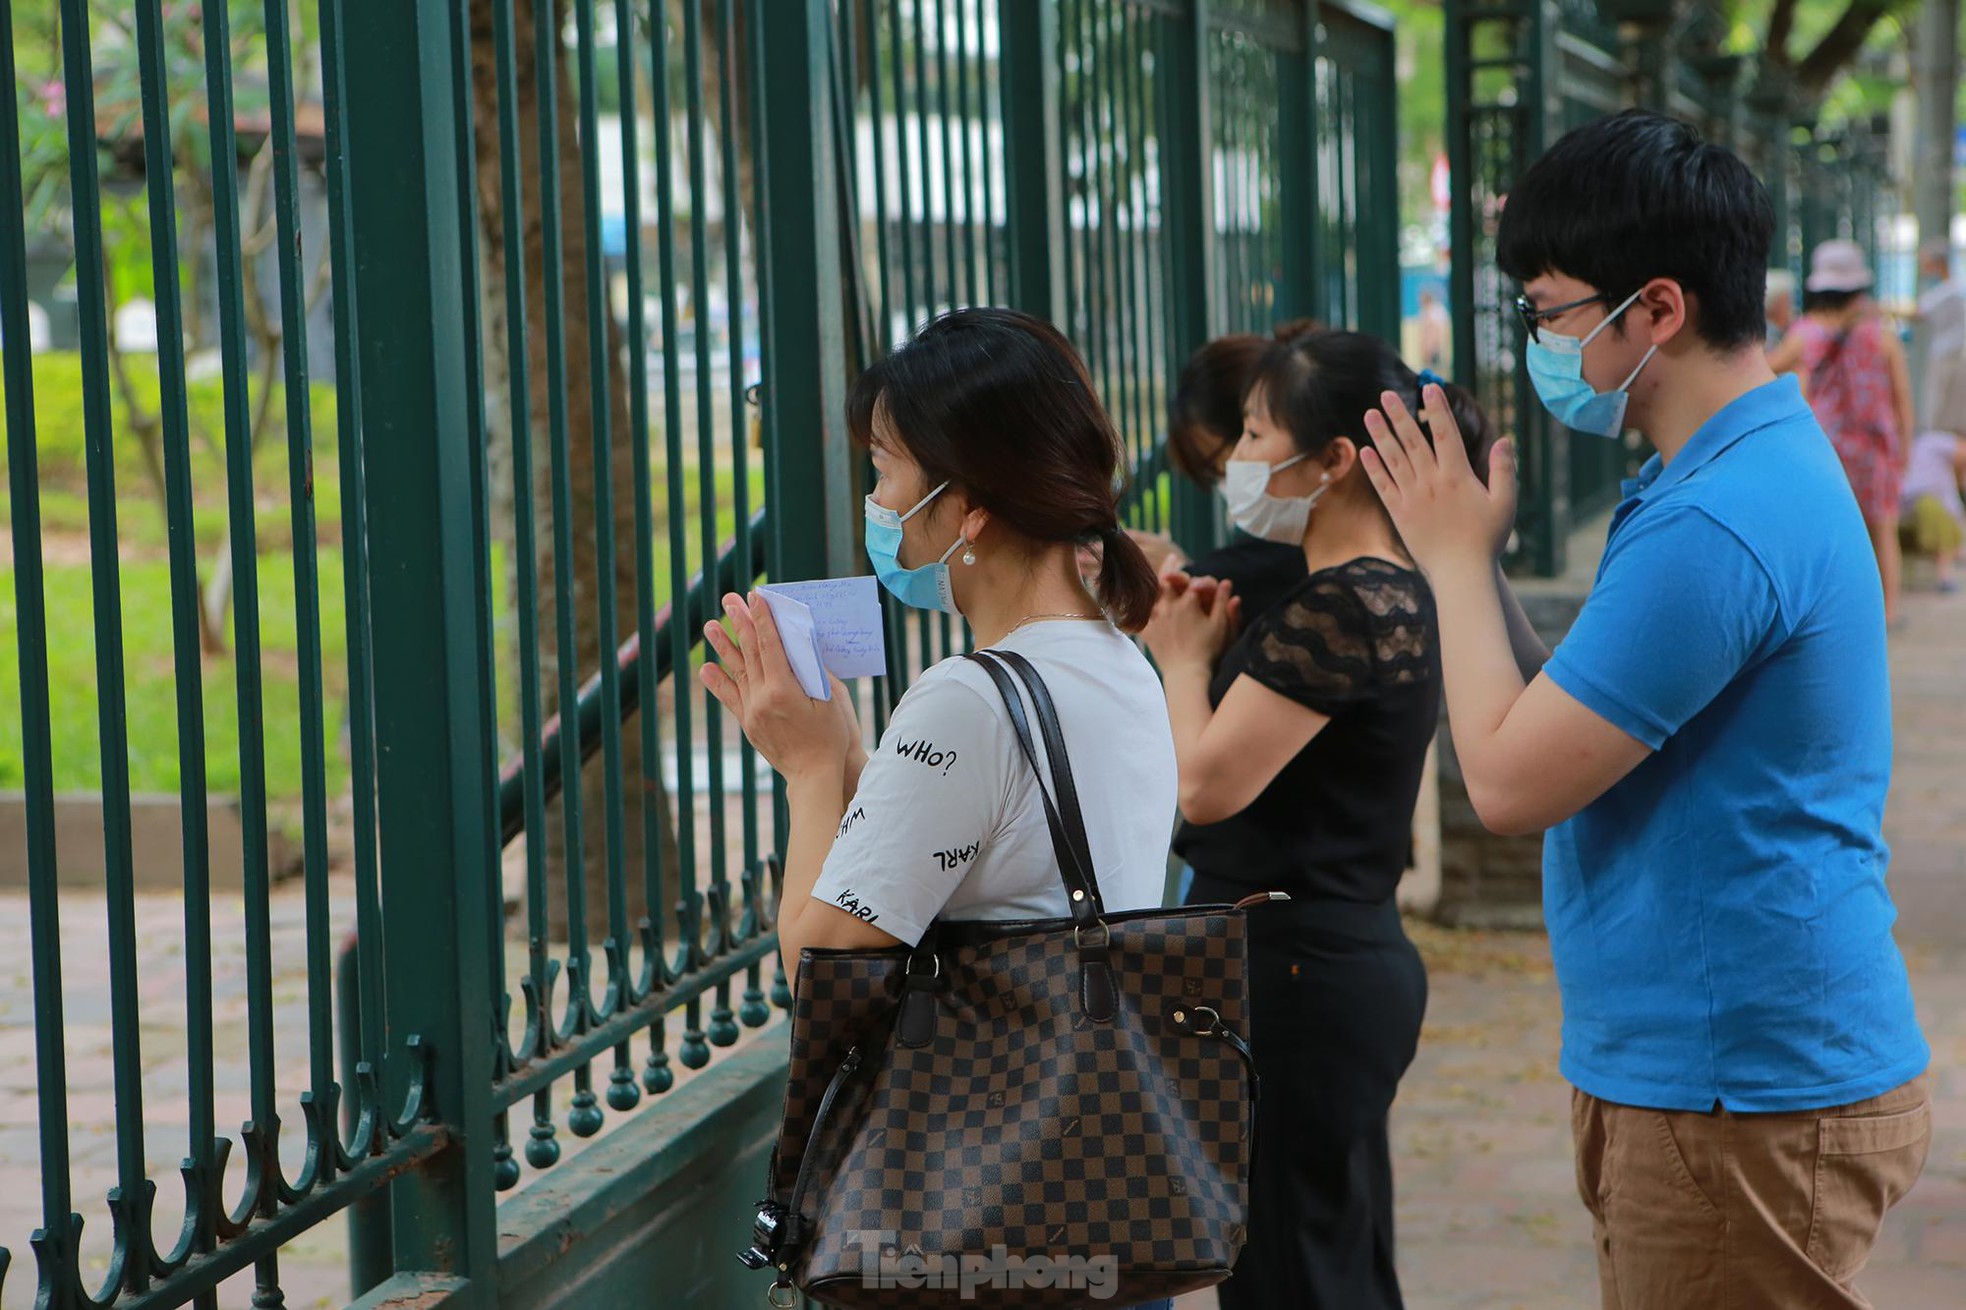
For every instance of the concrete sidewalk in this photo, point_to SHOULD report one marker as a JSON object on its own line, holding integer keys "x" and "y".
{"x": 1488, "y": 1210}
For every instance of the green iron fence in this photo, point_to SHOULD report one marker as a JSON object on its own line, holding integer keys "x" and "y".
{"x": 557, "y": 438}
{"x": 1519, "y": 76}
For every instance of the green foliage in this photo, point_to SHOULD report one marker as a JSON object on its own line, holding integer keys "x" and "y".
{"x": 116, "y": 84}
{"x": 1422, "y": 67}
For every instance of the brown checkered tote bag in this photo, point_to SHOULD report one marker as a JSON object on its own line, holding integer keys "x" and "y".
{"x": 1052, "y": 1112}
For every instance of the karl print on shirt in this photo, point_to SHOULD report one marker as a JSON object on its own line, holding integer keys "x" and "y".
{"x": 910, "y": 829}
{"x": 948, "y": 822}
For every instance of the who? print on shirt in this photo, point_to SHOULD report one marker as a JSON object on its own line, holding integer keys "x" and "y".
{"x": 947, "y": 820}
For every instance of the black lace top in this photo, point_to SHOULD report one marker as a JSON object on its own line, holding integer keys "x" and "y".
{"x": 1360, "y": 644}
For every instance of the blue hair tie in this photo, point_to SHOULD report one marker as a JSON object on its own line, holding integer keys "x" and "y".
{"x": 1429, "y": 378}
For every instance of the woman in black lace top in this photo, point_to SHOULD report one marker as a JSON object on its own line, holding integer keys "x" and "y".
{"x": 1301, "y": 744}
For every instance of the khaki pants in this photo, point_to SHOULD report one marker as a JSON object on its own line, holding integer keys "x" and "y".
{"x": 1726, "y": 1211}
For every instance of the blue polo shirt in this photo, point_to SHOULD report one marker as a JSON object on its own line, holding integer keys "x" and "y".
{"x": 1719, "y": 920}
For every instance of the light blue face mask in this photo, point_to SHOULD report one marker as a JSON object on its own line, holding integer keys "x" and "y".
{"x": 1556, "y": 366}
{"x": 925, "y": 588}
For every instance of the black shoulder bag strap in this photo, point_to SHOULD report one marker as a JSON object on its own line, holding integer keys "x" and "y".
{"x": 1061, "y": 765}
{"x": 1097, "y": 992}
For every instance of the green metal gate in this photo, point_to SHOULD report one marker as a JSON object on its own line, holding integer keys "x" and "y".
{"x": 1523, "y": 72}
{"x": 599, "y": 275}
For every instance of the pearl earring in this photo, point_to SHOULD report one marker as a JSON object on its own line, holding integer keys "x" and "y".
{"x": 969, "y": 555}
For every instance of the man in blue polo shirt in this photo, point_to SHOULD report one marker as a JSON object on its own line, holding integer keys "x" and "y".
{"x": 1710, "y": 746}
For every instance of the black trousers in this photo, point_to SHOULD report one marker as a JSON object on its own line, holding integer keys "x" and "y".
{"x": 1337, "y": 993}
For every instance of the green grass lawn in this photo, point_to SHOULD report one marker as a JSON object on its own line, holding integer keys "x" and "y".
{"x": 151, "y": 727}
{"x": 150, "y": 730}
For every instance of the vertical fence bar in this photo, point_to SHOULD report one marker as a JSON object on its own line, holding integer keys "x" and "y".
{"x": 58, "y": 1227}
{"x": 1139, "y": 367}
{"x": 877, "y": 132}
{"x": 933, "y": 295}
{"x": 1126, "y": 238}
{"x": 600, "y": 349}
{"x": 200, "y": 1225}
{"x": 1099, "y": 163}
{"x": 1297, "y": 149}
{"x": 781, "y": 991}
{"x": 706, "y": 899}
{"x": 471, "y": 310}
{"x": 967, "y": 123}
{"x": 623, "y": 1092}
{"x": 130, "y": 1202}
{"x": 1181, "y": 96}
{"x": 537, "y": 986}
{"x": 432, "y": 673}
{"x": 805, "y": 442}
{"x": 546, "y": 48}
{"x": 355, "y": 573}
{"x": 1084, "y": 154}
{"x": 959, "y": 290}
{"x": 1379, "y": 309}
{"x": 584, "y": 1117}
{"x": 954, "y": 293}
{"x": 731, "y": 56}
{"x": 1459, "y": 60}
{"x": 307, "y": 587}
{"x": 547, "y": 40}
{"x": 1034, "y": 230}
{"x": 931, "y": 300}
{"x": 657, "y": 1076}
{"x": 904, "y": 189}
{"x": 984, "y": 118}
{"x": 893, "y": 323}
{"x": 1144, "y": 227}
{"x": 261, "y": 1135}
{"x": 723, "y": 1028}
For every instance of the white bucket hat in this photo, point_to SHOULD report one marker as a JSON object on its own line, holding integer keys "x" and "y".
{"x": 1838, "y": 266}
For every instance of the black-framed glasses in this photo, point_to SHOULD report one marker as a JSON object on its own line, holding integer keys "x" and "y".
{"x": 1532, "y": 317}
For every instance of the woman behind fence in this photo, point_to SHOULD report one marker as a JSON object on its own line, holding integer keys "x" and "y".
{"x": 1301, "y": 745}
{"x": 995, "y": 462}
{"x": 1854, "y": 371}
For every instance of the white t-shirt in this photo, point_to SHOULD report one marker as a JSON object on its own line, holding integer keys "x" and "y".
{"x": 948, "y": 820}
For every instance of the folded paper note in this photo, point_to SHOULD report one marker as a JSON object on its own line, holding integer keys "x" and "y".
{"x": 831, "y": 625}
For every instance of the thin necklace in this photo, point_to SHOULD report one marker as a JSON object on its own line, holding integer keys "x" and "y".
{"x": 1033, "y": 618}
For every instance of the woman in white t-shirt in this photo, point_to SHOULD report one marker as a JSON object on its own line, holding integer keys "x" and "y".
{"x": 995, "y": 463}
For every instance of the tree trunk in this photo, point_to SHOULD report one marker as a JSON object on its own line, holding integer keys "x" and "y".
{"x": 578, "y": 400}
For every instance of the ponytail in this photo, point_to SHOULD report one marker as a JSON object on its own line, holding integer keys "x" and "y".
{"x": 1127, "y": 584}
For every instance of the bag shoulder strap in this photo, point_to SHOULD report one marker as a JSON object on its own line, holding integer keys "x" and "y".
{"x": 1054, "y": 749}
{"x": 1067, "y": 829}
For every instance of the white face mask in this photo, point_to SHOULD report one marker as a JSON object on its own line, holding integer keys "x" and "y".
{"x": 1282, "y": 519}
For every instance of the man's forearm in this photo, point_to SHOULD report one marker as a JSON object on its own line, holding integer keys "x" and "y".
{"x": 1524, "y": 641}
{"x": 1479, "y": 663}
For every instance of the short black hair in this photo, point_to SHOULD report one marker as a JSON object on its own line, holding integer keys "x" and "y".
{"x": 1638, "y": 196}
